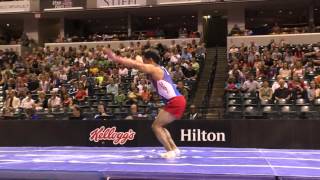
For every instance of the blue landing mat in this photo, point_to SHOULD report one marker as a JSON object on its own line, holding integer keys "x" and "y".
{"x": 145, "y": 163}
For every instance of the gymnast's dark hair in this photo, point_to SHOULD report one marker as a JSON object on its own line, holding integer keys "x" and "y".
{"x": 152, "y": 54}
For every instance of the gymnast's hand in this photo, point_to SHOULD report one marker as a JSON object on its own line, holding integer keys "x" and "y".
{"x": 111, "y": 55}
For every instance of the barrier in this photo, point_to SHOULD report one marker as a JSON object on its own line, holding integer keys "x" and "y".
{"x": 15, "y": 48}
{"x": 306, "y": 38}
{"x": 224, "y": 133}
{"x": 115, "y": 44}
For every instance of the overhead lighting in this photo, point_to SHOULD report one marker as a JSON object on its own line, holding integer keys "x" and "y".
{"x": 12, "y": 11}
{"x": 180, "y": 2}
{"x": 122, "y": 6}
{"x": 63, "y": 9}
{"x": 207, "y": 17}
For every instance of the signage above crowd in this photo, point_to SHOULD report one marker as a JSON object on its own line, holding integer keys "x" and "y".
{"x": 52, "y": 5}
{"x": 120, "y": 3}
{"x": 14, "y": 6}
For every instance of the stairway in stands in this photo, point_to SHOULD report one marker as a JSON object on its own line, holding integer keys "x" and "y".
{"x": 204, "y": 77}
{"x": 216, "y": 102}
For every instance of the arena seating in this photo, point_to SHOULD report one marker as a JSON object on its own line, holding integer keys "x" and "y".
{"x": 84, "y": 77}
{"x": 296, "y": 65}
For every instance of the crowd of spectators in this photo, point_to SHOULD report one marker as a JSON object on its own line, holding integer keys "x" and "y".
{"x": 273, "y": 30}
{"x": 23, "y": 40}
{"x": 138, "y": 35}
{"x": 82, "y": 83}
{"x": 276, "y": 72}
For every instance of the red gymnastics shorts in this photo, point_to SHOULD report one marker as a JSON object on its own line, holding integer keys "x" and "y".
{"x": 176, "y": 106}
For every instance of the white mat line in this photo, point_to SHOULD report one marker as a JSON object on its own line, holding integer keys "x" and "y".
{"x": 154, "y": 150}
{"x": 182, "y": 157}
{"x": 215, "y": 165}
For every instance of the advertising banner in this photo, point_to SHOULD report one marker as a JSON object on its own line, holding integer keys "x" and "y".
{"x": 62, "y": 4}
{"x": 138, "y": 133}
{"x": 14, "y": 6}
{"x": 120, "y": 3}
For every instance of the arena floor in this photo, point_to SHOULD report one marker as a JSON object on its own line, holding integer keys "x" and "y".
{"x": 145, "y": 163}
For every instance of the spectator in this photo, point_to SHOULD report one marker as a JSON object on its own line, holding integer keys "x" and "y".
{"x": 185, "y": 55}
{"x": 182, "y": 89}
{"x": 67, "y": 101}
{"x": 282, "y": 92}
{"x": 44, "y": 83}
{"x": 235, "y": 30}
{"x": 298, "y": 70}
{"x": 134, "y": 114}
{"x": 193, "y": 114}
{"x": 231, "y": 85}
{"x": 28, "y": 105}
{"x": 81, "y": 93}
{"x": 276, "y": 29}
{"x": 276, "y": 84}
{"x": 285, "y": 72}
{"x": 195, "y": 65}
{"x": 33, "y": 84}
{"x": 313, "y": 91}
{"x": 297, "y": 88}
{"x": 123, "y": 71}
{"x": 76, "y": 113}
{"x": 120, "y": 98}
{"x": 12, "y": 103}
{"x": 112, "y": 88}
{"x": 265, "y": 92}
{"x": 189, "y": 73}
{"x": 42, "y": 101}
{"x": 102, "y": 114}
{"x": 250, "y": 85}
{"x": 133, "y": 95}
{"x": 54, "y": 101}
{"x": 145, "y": 95}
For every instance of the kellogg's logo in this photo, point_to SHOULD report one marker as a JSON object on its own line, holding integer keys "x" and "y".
{"x": 111, "y": 134}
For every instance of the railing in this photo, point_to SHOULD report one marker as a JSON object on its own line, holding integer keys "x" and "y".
{"x": 263, "y": 40}
{"x": 116, "y": 44}
{"x": 207, "y": 96}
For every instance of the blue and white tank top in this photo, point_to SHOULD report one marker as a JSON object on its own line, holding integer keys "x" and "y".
{"x": 165, "y": 87}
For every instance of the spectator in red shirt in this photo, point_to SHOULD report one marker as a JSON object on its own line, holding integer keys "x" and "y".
{"x": 81, "y": 94}
{"x": 297, "y": 88}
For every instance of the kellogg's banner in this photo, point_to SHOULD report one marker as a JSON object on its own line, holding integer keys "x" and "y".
{"x": 120, "y": 3}
{"x": 111, "y": 134}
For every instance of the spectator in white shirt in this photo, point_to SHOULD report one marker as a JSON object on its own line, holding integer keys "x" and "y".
{"x": 112, "y": 88}
{"x": 250, "y": 85}
{"x": 123, "y": 71}
{"x": 276, "y": 84}
{"x": 28, "y": 105}
{"x": 54, "y": 102}
{"x": 12, "y": 103}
